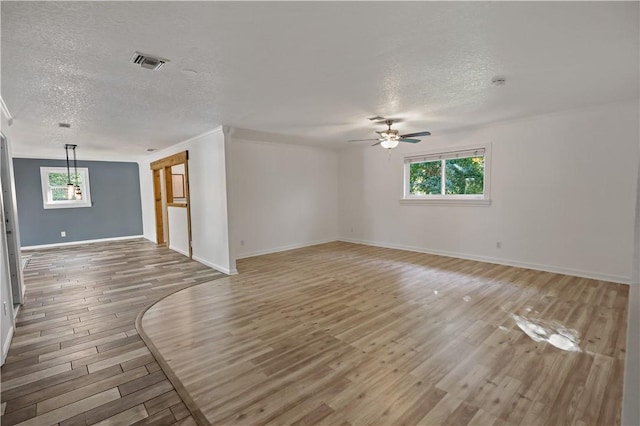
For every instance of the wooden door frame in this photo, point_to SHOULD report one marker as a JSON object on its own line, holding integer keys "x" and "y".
{"x": 157, "y": 201}
{"x": 166, "y": 164}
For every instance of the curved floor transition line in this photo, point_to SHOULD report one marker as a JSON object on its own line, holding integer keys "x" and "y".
{"x": 77, "y": 353}
{"x": 196, "y": 413}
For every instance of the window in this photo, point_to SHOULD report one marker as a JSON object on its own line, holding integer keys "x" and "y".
{"x": 55, "y": 194}
{"x": 458, "y": 177}
{"x": 178, "y": 193}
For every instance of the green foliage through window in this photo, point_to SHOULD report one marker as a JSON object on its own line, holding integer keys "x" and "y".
{"x": 58, "y": 184}
{"x": 462, "y": 176}
{"x": 425, "y": 178}
{"x": 61, "y": 179}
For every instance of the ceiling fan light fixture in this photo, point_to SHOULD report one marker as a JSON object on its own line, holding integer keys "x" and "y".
{"x": 389, "y": 143}
{"x": 390, "y": 135}
{"x": 391, "y": 138}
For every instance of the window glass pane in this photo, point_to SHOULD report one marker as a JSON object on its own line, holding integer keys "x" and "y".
{"x": 425, "y": 178}
{"x": 59, "y": 194}
{"x": 464, "y": 175}
{"x": 61, "y": 179}
{"x": 57, "y": 179}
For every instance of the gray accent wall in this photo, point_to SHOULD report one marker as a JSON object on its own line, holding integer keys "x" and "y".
{"x": 115, "y": 194}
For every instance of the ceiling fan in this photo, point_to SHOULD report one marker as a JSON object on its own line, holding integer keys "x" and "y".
{"x": 390, "y": 138}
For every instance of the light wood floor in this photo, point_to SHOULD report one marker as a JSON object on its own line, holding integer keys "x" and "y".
{"x": 342, "y": 334}
{"x": 76, "y": 357}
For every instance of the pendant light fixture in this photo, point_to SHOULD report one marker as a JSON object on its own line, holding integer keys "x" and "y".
{"x": 70, "y": 186}
{"x": 78, "y": 191}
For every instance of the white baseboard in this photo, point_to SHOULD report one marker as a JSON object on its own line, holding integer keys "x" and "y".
{"x": 76, "y": 243}
{"x": 285, "y": 248}
{"x": 185, "y": 253}
{"x": 150, "y": 238}
{"x": 214, "y": 266}
{"x": 500, "y": 261}
{"x": 6, "y": 344}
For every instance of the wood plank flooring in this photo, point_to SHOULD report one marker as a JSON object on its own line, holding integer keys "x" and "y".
{"x": 341, "y": 334}
{"x": 76, "y": 357}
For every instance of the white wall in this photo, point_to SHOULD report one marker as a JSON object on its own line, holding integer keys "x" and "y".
{"x": 562, "y": 189}
{"x": 631, "y": 394}
{"x": 6, "y": 310}
{"x": 178, "y": 229}
{"x": 7, "y": 320}
{"x": 146, "y": 200}
{"x": 208, "y": 193}
{"x": 282, "y": 196}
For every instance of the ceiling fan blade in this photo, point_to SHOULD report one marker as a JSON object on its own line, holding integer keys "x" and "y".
{"x": 410, "y": 135}
{"x": 377, "y": 143}
{"x": 362, "y": 140}
{"x": 409, "y": 140}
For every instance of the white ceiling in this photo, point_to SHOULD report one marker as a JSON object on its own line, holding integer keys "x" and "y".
{"x": 310, "y": 71}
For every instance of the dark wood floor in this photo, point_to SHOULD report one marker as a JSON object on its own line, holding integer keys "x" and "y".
{"x": 76, "y": 357}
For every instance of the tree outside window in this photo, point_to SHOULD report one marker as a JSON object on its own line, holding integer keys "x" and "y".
{"x": 456, "y": 176}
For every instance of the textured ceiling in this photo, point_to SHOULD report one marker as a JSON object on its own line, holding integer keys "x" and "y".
{"x": 313, "y": 71}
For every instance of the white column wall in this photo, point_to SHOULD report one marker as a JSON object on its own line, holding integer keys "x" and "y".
{"x": 283, "y": 196}
{"x": 178, "y": 229}
{"x": 631, "y": 393}
{"x": 208, "y": 193}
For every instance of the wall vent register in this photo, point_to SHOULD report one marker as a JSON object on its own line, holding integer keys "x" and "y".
{"x": 148, "y": 61}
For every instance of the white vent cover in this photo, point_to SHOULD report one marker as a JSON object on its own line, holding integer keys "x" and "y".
{"x": 148, "y": 61}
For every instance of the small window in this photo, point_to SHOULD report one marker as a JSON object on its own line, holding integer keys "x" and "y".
{"x": 455, "y": 176}
{"x": 56, "y": 193}
{"x": 178, "y": 188}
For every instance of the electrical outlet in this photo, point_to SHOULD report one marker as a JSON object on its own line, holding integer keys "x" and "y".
{"x": 63, "y": 233}
{"x": 499, "y": 244}
{"x": 241, "y": 242}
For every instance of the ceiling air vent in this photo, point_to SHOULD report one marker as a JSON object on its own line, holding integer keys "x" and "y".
{"x": 148, "y": 61}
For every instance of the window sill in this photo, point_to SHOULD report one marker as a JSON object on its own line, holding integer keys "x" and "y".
{"x": 67, "y": 205}
{"x": 445, "y": 201}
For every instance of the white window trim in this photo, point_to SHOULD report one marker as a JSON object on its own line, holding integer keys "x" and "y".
{"x": 454, "y": 200}
{"x": 64, "y": 204}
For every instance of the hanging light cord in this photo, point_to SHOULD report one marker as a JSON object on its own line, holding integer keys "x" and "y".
{"x": 66, "y": 149}
{"x": 76, "y": 186}
{"x": 75, "y": 166}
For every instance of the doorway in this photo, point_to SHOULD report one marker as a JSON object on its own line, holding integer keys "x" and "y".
{"x": 172, "y": 202}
